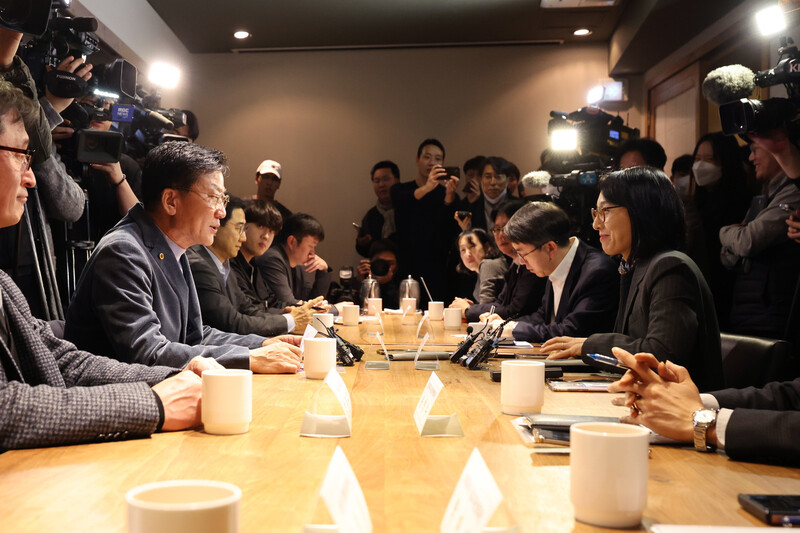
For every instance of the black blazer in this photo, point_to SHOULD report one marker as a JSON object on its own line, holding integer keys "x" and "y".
{"x": 588, "y": 302}
{"x": 670, "y": 313}
{"x": 765, "y": 422}
{"x": 223, "y": 305}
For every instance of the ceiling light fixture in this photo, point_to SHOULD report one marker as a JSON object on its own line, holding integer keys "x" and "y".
{"x": 581, "y": 32}
{"x": 241, "y": 34}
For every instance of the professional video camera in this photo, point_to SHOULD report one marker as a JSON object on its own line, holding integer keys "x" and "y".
{"x": 730, "y": 86}
{"x": 583, "y": 143}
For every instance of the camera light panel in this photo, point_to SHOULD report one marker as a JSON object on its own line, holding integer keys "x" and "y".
{"x": 164, "y": 75}
{"x": 564, "y": 139}
{"x": 770, "y": 20}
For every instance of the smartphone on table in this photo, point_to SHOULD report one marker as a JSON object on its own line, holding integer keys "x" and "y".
{"x": 773, "y": 509}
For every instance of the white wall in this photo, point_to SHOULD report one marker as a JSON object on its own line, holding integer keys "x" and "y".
{"x": 328, "y": 116}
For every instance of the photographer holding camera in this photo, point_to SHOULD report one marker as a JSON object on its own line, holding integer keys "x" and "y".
{"x": 382, "y": 265}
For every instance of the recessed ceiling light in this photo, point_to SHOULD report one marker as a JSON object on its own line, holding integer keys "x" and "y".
{"x": 581, "y": 32}
{"x": 241, "y": 34}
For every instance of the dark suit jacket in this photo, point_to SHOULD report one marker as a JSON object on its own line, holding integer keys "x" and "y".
{"x": 765, "y": 422}
{"x": 287, "y": 282}
{"x": 588, "y": 302}
{"x": 521, "y": 295}
{"x": 253, "y": 285}
{"x": 669, "y": 312}
{"x": 223, "y": 304}
{"x": 134, "y": 303}
{"x": 60, "y": 395}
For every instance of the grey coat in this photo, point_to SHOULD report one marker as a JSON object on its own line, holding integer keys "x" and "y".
{"x": 61, "y": 395}
{"x": 135, "y": 304}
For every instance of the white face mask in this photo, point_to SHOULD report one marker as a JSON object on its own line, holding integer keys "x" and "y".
{"x": 682, "y": 184}
{"x": 706, "y": 173}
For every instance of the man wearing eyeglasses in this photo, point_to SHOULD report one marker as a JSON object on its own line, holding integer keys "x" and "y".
{"x": 582, "y": 288}
{"x": 223, "y": 304}
{"x": 52, "y": 393}
{"x": 136, "y": 299}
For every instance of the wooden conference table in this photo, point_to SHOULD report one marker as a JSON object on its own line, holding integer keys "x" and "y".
{"x": 407, "y": 479}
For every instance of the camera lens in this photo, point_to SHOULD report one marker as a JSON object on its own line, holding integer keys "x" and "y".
{"x": 379, "y": 267}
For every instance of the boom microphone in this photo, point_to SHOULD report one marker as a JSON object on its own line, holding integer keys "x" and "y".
{"x": 728, "y": 84}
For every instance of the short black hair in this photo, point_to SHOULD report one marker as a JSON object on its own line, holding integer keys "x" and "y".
{"x": 497, "y": 163}
{"x": 475, "y": 163}
{"x": 382, "y": 245}
{"x": 510, "y": 170}
{"x": 385, "y": 164}
{"x": 194, "y": 126}
{"x": 537, "y": 223}
{"x": 490, "y": 249}
{"x": 654, "y": 207}
{"x": 177, "y": 165}
{"x": 652, "y": 152}
{"x": 430, "y": 142}
{"x": 508, "y": 208}
{"x": 263, "y": 214}
{"x": 234, "y": 203}
{"x": 683, "y": 164}
{"x": 300, "y": 226}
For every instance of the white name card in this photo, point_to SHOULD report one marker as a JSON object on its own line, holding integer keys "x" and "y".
{"x": 426, "y": 401}
{"x": 343, "y": 496}
{"x": 336, "y": 383}
{"x": 475, "y": 498}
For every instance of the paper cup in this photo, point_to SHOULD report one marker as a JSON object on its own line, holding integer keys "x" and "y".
{"x": 599, "y": 453}
{"x": 326, "y": 319}
{"x": 199, "y": 506}
{"x": 227, "y": 401}
{"x": 350, "y": 315}
{"x": 436, "y": 310}
{"x": 374, "y": 306}
{"x": 522, "y": 386}
{"x": 452, "y": 318}
{"x": 319, "y": 356}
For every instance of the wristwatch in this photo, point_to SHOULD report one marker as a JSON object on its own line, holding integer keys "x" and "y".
{"x": 702, "y": 419}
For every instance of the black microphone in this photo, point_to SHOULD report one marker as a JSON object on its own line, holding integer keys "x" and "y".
{"x": 728, "y": 84}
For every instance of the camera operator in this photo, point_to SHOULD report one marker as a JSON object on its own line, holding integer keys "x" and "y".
{"x": 61, "y": 198}
{"x": 113, "y": 188}
{"x": 382, "y": 265}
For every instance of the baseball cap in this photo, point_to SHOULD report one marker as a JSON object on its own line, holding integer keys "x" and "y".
{"x": 268, "y": 166}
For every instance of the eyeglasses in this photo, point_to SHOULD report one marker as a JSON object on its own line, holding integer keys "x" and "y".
{"x": 240, "y": 227}
{"x": 603, "y": 211}
{"x": 220, "y": 200}
{"x": 27, "y": 155}
{"x": 529, "y": 252}
{"x": 497, "y": 230}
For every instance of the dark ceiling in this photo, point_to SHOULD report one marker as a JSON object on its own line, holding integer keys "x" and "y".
{"x": 655, "y": 27}
{"x": 207, "y": 26}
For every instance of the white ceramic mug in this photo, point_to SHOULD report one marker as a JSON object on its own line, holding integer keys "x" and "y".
{"x": 408, "y": 306}
{"x": 608, "y": 473}
{"x": 319, "y": 356}
{"x": 199, "y": 506}
{"x": 436, "y": 310}
{"x": 350, "y": 314}
{"x": 522, "y": 386}
{"x": 227, "y": 401}
{"x": 452, "y": 318}
{"x": 374, "y": 306}
{"x": 326, "y": 319}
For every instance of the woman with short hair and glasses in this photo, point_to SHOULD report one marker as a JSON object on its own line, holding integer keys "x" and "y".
{"x": 665, "y": 305}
